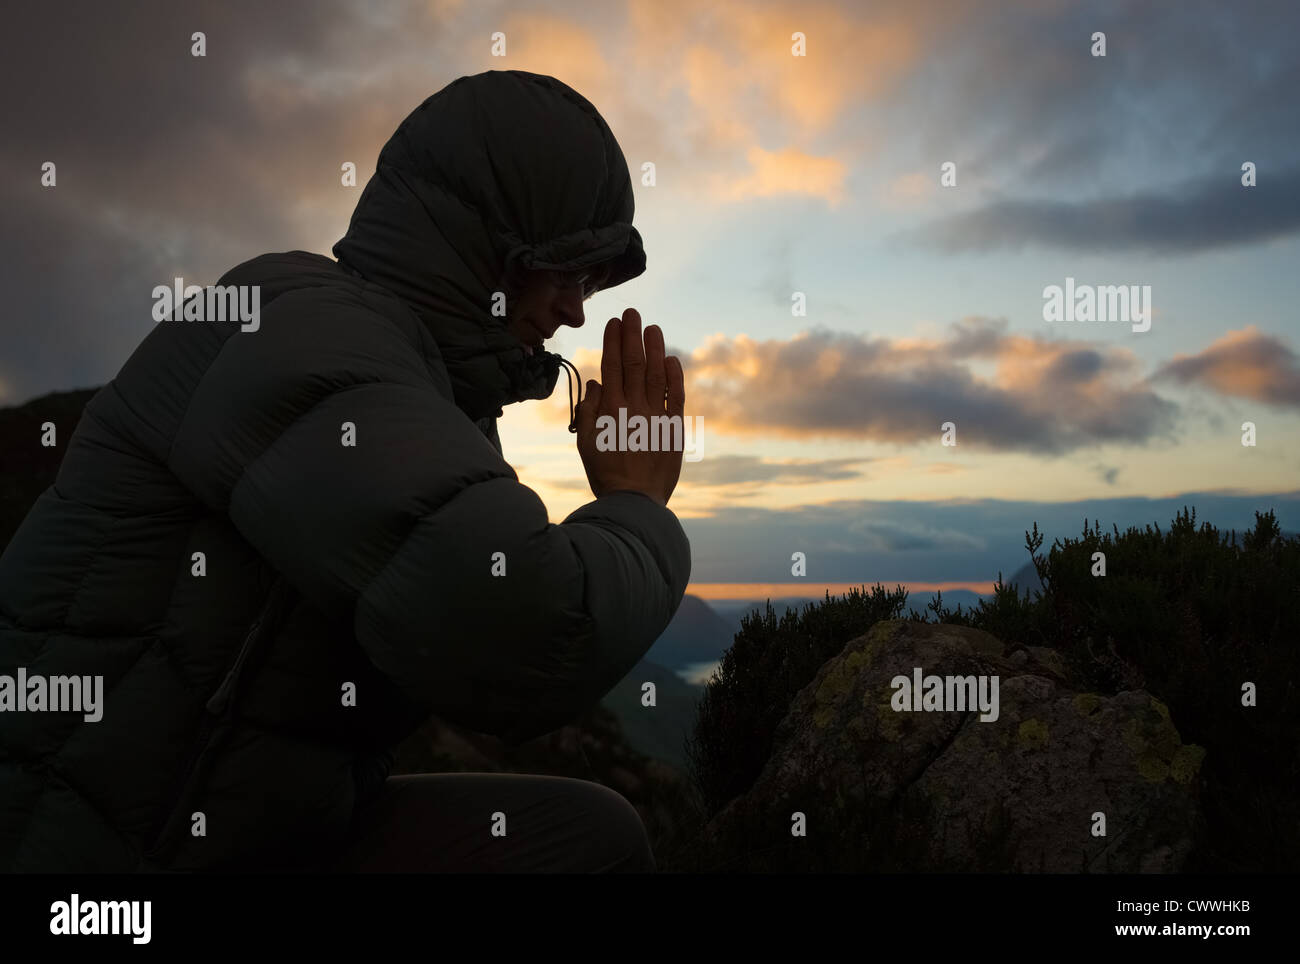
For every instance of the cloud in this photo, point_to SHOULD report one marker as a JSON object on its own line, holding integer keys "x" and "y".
{"x": 1107, "y": 473}
{"x": 746, "y": 476}
{"x": 886, "y": 535}
{"x": 545, "y": 44}
{"x": 737, "y": 94}
{"x": 944, "y": 468}
{"x": 908, "y": 190}
{"x": 784, "y": 172}
{"x": 1246, "y": 364}
{"x": 1198, "y": 215}
{"x": 736, "y": 54}
{"x": 172, "y": 165}
{"x": 1043, "y": 396}
{"x": 741, "y": 469}
{"x": 1011, "y": 93}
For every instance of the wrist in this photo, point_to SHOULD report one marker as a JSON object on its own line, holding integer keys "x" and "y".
{"x": 657, "y": 499}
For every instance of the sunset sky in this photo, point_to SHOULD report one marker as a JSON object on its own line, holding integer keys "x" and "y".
{"x": 774, "y": 174}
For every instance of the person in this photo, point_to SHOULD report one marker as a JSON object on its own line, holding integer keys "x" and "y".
{"x": 281, "y": 547}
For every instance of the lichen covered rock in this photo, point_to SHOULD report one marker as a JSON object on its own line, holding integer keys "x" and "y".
{"x": 1030, "y": 787}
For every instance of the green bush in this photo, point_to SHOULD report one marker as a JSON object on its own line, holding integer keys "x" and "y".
{"x": 1189, "y": 614}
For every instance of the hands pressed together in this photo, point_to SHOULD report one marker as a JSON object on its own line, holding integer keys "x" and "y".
{"x": 639, "y": 378}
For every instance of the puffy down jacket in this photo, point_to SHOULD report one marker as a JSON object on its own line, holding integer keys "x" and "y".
{"x": 271, "y": 610}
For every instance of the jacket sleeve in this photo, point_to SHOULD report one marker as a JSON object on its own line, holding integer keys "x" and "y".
{"x": 419, "y": 535}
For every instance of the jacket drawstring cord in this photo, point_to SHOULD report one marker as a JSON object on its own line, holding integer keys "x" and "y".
{"x": 571, "y": 374}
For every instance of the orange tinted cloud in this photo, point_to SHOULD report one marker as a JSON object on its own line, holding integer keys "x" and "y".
{"x": 737, "y": 116}
{"x": 1043, "y": 396}
{"x": 740, "y": 53}
{"x": 1246, "y": 363}
{"x": 789, "y": 171}
{"x": 740, "y": 93}
{"x": 560, "y": 48}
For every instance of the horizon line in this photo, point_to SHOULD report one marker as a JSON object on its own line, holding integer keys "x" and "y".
{"x": 753, "y": 591}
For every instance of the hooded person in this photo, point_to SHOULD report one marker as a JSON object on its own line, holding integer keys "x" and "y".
{"x": 282, "y": 549}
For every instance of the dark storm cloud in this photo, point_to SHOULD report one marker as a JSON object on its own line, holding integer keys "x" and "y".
{"x": 1207, "y": 213}
{"x": 170, "y": 164}
{"x": 1185, "y": 88}
{"x": 1139, "y": 150}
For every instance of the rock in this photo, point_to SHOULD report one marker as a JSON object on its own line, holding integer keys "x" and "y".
{"x": 883, "y": 790}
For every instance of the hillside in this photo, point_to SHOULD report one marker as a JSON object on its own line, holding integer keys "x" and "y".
{"x": 659, "y": 731}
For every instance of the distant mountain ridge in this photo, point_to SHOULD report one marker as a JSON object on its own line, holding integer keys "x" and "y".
{"x": 696, "y": 634}
{"x": 658, "y": 731}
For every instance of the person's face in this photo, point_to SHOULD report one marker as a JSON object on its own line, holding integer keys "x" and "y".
{"x": 545, "y": 300}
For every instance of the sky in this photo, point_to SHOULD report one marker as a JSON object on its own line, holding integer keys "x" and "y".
{"x": 777, "y": 178}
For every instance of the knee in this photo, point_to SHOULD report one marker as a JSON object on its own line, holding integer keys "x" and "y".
{"x": 624, "y": 844}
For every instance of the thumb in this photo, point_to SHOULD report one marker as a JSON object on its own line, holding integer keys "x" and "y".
{"x": 588, "y": 408}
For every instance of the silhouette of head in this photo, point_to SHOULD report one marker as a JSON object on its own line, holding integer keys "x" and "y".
{"x": 541, "y": 301}
{"x": 489, "y": 186}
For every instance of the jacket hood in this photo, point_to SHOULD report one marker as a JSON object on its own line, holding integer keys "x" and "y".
{"x": 497, "y": 171}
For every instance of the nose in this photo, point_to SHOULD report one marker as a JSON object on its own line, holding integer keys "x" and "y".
{"x": 567, "y": 306}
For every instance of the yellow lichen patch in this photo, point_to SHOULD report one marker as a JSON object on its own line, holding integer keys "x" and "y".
{"x": 1152, "y": 767}
{"x": 1086, "y": 704}
{"x": 1149, "y": 732}
{"x": 1032, "y": 734}
{"x": 834, "y": 686}
{"x": 823, "y": 715}
{"x": 1161, "y": 708}
{"x": 1157, "y": 752}
{"x": 1186, "y": 763}
{"x": 877, "y": 636}
{"x": 890, "y": 726}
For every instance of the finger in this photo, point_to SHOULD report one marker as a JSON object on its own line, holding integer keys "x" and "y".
{"x": 633, "y": 360}
{"x": 656, "y": 379}
{"x": 611, "y": 363}
{"x": 588, "y": 409}
{"x": 676, "y": 385}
